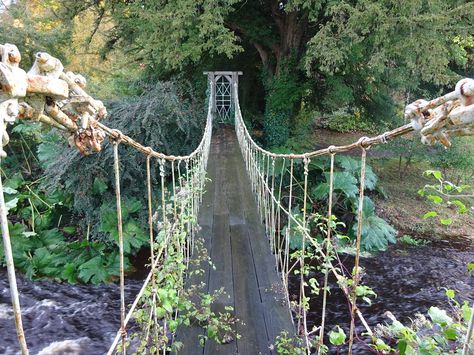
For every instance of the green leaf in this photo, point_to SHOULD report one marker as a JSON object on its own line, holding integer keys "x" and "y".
{"x": 69, "y": 229}
{"x": 450, "y": 294}
{"x": 436, "y": 173}
{"x": 99, "y": 186}
{"x": 12, "y": 204}
{"x": 451, "y": 334}
{"x": 402, "y": 347}
{"x": 167, "y": 306}
{"x": 439, "y": 316}
{"x": 93, "y": 271}
{"x": 211, "y": 331}
{"x": 466, "y": 311}
{"x": 343, "y": 182}
{"x": 352, "y": 166}
{"x": 430, "y": 214}
{"x": 52, "y": 238}
{"x": 69, "y": 273}
{"x": 29, "y": 234}
{"x": 337, "y": 337}
{"x": 376, "y": 233}
{"x": 470, "y": 266}
{"x": 435, "y": 199}
{"x": 446, "y": 222}
{"x": 9, "y": 190}
{"x": 160, "y": 312}
{"x": 461, "y": 206}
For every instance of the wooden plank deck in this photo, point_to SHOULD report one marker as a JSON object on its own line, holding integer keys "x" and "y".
{"x": 237, "y": 245}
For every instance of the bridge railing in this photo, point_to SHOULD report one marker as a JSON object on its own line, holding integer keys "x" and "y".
{"x": 284, "y": 201}
{"x": 49, "y": 95}
{"x": 175, "y": 215}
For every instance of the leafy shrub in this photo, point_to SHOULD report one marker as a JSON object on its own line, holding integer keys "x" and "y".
{"x": 444, "y": 193}
{"x": 441, "y": 332}
{"x": 376, "y": 233}
{"x": 43, "y": 246}
{"x": 284, "y": 91}
{"x": 164, "y": 117}
{"x": 343, "y": 121}
{"x": 79, "y": 191}
{"x": 456, "y": 163}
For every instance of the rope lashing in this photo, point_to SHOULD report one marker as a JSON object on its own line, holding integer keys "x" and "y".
{"x": 328, "y": 246}
{"x": 355, "y": 279}
{"x": 120, "y": 241}
{"x": 117, "y": 136}
{"x": 152, "y": 243}
{"x": 11, "y": 273}
{"x": 252, "y": 154}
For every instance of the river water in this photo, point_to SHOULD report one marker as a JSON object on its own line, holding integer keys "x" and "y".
{"x": 85, "y": 318}
{"x": 81, "y": 319}
{"x": 406, "y": 279}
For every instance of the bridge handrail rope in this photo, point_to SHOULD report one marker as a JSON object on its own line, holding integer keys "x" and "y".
{"x": 263, "y": 192}
{"x": 195, "y": 173}
{"x": 70, "y": 109}
{"x": 436, "y": 121}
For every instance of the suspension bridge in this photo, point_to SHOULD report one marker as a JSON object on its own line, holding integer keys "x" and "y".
{"x": 243, "y": 215}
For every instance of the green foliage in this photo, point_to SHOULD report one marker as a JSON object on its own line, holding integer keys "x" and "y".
{"x": 441, "y": 333}
{"x": 456, "y": 163}
{"x": 289, "y": 345}
{"x": 342, "y": 121}
{"x": 409, "y": 240}
{"x": 378, "y": 33}
{"x": 48, "y": 254}
{"x": 376, "y": 233}
{"x": 445, "y": 193}
{"x": 165, "y": 117}
{"x": 343, "y": 182}
{"x": 337, "y": 336}
{"x": 134, "y": 237}
{"x": 167, "y": 305}
{"x": 33, "y": 28}
{"x": 283, "y": 94}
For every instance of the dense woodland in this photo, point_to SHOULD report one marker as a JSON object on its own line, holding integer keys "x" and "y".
{"x": 316, "y": 72}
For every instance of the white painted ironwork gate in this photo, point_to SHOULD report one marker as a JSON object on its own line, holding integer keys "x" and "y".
{"x": 223, "y": 105}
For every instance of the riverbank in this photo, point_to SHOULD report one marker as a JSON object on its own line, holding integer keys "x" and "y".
{"x": 402, "y": 206}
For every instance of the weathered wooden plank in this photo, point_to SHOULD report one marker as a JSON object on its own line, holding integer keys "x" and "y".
{"x": 276, "y": 312}
{"x": 221, "y": 253}
{"x": 248, "y": 306}
{"x": 189, "y": 336}
{"x": 240, "y": 252}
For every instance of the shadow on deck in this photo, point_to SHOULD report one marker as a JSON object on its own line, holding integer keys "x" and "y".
{"x": 238, "y": 247}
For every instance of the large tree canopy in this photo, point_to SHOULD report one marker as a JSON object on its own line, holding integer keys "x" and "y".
{"x": 360, "y": 56}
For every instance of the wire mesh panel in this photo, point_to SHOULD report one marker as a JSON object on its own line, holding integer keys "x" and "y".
{"x": 223, "y": 97}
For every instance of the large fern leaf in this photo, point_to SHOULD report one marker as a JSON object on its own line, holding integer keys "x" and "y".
{"x": 343, "y": 182}
{"x": 352, "y": 166}
{"x": 376, "y": 233}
